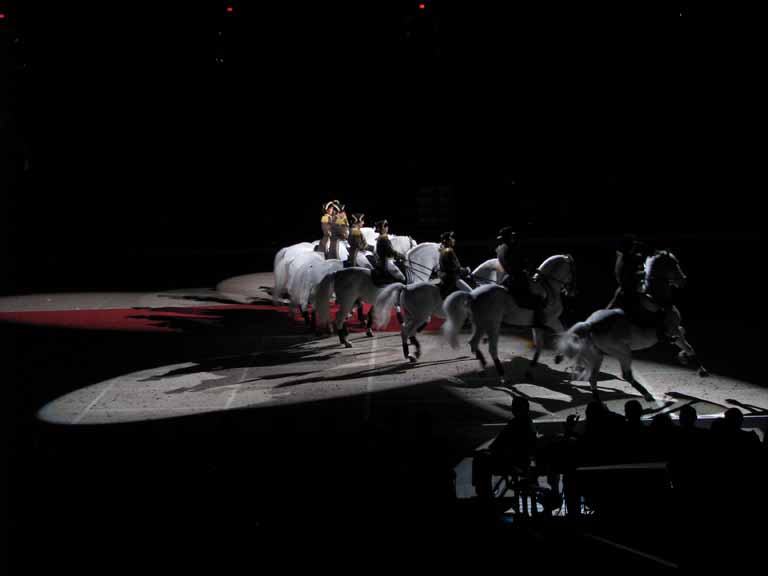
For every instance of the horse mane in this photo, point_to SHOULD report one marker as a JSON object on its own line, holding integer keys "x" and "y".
{"x": 554, "y": 257}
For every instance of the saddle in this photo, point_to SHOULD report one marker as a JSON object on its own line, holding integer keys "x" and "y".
{"x": 373, "y": 259}
{"x": 522, "y": 291}
{"x": 644, "y": 312}
{"x": 446, "y": 289}
{"x": 380, "y": 277}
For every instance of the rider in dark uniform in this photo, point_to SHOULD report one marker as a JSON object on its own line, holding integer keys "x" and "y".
{"x": 339, "y": 230}
{"x": 451, "y": 272}
{"x": 628, "y": 270}
{"x": 357, "y": 241}
{"x": 645, "y": 304}
{"x": 518, "y": 280}
{"x": 387, "y": 254}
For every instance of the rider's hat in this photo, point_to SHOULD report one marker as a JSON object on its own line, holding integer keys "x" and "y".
{"x": 380, "y": 225}
{"x": 445, "y": 236}
{"x": 356, "y": 218}
{"x": 339, "y": 205}
{"x": 331, "y": 204}
{"x": 506, "y": 234}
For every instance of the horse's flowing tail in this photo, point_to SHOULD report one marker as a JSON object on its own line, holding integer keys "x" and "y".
{"x": 456, "y": 309}
{"x": 384, "y": 303}
{"x": 322, "y": 299}
{"x": 576, "y": 343}
{"x": 280, "y": 273}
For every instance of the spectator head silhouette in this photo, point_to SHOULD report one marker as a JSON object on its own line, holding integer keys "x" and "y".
{"x": 733, "y": 419}
{"x": 633, "y": 410}
{"x": 520, "y": 407}
{"x": 688, "y": 416}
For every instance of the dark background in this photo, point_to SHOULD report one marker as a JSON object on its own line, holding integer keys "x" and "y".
{"x": 141, "y": 138}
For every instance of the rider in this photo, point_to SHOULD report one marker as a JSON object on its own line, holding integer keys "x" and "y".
{"x": 387, "y": 254}
{"x": 451, "y": 272}
{"x": 329, "y": 212}
{"x": 339, "y": 229}
{"x": 628, "y": 270}
{"x": 659, "y": 293}
{"x": 357, "y": 241}
{"x": 518, "y": 280}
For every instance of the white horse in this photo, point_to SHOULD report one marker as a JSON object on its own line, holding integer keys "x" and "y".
{"x": 282, "y": 268}
{"x": 305, "y": 272}
{"x": 283, "y": 258}
{"x": 489, "y": 272}
{"x": 422, "y": 262}
{"x": 491, "y": 304}
{"x": 418, "y": 302}
{"x": 350, "y": 285}
{"x": 401, "y": 244}
{"x": 614, "y": 333}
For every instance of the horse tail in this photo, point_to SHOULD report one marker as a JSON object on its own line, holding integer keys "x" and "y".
{"x": 576, "y": 343}
{"x": 456, "y": 309}
{"x": 384, "y": 303}
{"x": 279, "y": 270}
{"x": 572, "y": 342}
{"x": 322, "y": 299}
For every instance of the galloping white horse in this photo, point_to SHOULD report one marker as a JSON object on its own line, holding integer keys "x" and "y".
{"x": 491, "y": 304}
{"x": 350, "y": 285}
{"x": 419, "y": 302}
{"x": 354, "y": 284}
{"x": 613, "y": 333}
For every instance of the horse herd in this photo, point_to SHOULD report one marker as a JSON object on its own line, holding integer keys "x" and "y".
{"x": 310, "y": 281}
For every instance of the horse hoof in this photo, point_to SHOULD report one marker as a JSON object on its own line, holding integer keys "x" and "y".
{"x": 558, "y": 358}
{"x": 347, "y": 345}
{"x": 411, "y": 358}
{"x": 369, "y": 333}
{"x": 703, "y": 372}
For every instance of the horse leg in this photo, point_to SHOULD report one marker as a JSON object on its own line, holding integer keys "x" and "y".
{"x": 341, "y": 324}
{"x": 343, "y": 333}
{"x": 474, "y": 347}
{"x": 305, "y": 315}
{"x": 594, "y": 371}
{"x": 399, "y": 314}
{"x": 537, "y": 342}
{"x": 404, "y": 337}
{"x": 419, "y": 326}
{"x": 314, "y": 322}
{"x": 493, "y": 348}
{"x": 624, "y": 355}
{"x": 369, "y": 322}
{"x": 360, "y": 313}
{"x": 687, "y": 352}
{"x": 417, "y": 344}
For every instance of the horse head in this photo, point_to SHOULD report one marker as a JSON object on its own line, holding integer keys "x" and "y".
{"x": 560, "y": 269}
{"x": 662, "y": 268}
